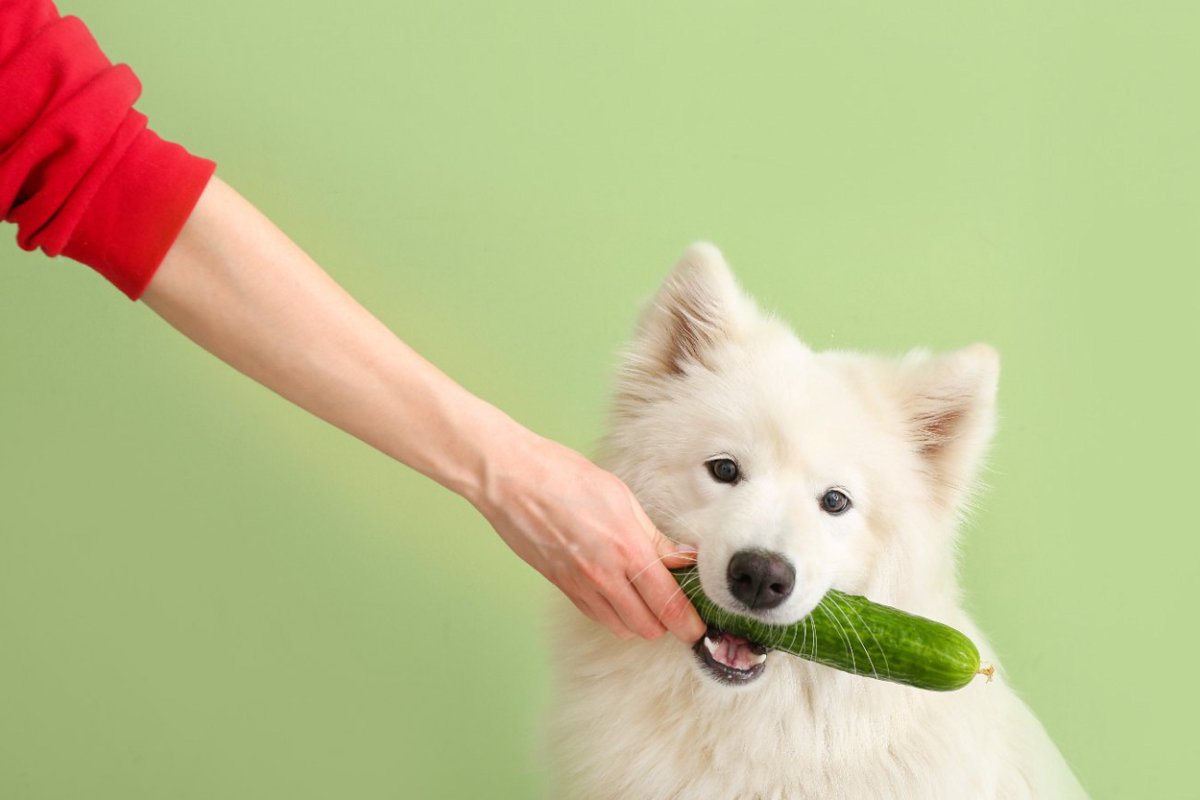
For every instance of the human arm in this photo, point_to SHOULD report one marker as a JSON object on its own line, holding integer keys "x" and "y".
{"x": 81, "y": 175}
{"x": 236, "y": 285}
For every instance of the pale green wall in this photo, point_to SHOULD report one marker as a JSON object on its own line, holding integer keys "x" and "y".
{"x": 206, "y": 593}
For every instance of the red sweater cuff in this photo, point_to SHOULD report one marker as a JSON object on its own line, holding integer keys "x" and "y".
{"x": 80, "y": 173}
{"x": 137, "y": 213}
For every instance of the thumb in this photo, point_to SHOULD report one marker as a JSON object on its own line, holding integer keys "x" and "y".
{"x": 672, "y": 554}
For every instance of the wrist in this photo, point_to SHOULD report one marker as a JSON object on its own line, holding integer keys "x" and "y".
{"x": 495, "y": 447}
{"x": 512, "y": 471}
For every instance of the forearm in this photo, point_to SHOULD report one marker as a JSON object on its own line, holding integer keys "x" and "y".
{"x": 237, "y": 286}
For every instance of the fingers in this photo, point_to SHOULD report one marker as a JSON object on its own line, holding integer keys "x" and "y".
{"x": 635, "y": 614}
{"x": 683, "y": 557}
{"x": 585, "y": 531}
{"x": 647, "y": 605}
{"x": 600, "y": 610}
{"x": 613, "y": 601}
{"x": 672, "y": 554}
{"x": 659, "y": 592}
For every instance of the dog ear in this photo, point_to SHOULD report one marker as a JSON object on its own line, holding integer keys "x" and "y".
{"x": 698, "y": 306}
{"x": 950, "y": 408}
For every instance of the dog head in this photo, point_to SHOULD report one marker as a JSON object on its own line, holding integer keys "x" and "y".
{"x": 793, "y": 472}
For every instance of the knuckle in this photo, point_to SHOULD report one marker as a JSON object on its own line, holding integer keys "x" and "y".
{"x": 627, "y": 551}
{"x": 621, "y": 632}
{"x": 672, "y": 612}
{"x": 592, "y": 573}
{"x": 650, "y": 631}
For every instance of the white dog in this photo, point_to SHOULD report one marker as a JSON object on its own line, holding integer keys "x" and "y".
{"x": 792, "y": 472}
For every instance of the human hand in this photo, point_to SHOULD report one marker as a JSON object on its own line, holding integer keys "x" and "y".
{"x": 583, "y": 529}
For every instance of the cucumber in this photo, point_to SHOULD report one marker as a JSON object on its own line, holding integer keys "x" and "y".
{"x": 850, "y": 633}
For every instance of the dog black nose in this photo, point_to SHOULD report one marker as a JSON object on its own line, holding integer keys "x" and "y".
{"x": 760, "y": 579}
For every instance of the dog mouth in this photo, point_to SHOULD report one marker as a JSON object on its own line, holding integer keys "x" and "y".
{"x": 730, "y": 659}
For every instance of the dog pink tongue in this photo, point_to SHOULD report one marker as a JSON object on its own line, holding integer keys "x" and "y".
{"x": 734, "y": 651}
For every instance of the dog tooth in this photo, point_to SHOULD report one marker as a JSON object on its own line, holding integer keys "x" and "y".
{"x": 759, "y": 658}
{"x": 710, "y": 645}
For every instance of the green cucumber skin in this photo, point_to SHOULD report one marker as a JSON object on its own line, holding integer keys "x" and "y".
{"x": 850, "y": 633}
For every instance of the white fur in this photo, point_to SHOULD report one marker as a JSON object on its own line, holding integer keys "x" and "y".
{"x": 709, "y": 374}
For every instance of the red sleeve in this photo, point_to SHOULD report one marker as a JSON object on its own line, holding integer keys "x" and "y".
{"x": 80, "y": 173}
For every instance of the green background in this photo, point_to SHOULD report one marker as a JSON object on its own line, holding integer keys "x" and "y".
{"x": 205, "y": 592}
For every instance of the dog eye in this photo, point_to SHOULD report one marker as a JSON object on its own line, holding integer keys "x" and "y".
{"x": 724, "y": 470}
{"x": 834, "y": 502}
